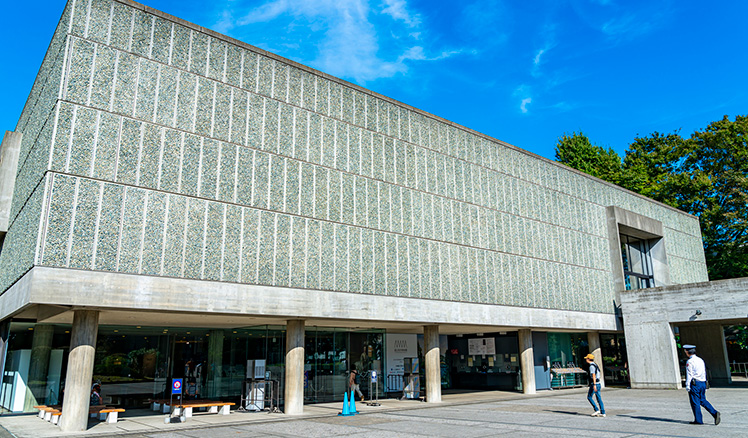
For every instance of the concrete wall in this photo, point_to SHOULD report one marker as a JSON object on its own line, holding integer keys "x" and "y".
{"x": 206, "y": 158}
{"x": 650, "y": 314}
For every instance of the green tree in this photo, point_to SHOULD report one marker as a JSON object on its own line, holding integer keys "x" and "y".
{"x": 716, "y": 190}
{"x": 705, "y": 175}
{"x": 651, "y": 164}
{"x": 575, "y": 150}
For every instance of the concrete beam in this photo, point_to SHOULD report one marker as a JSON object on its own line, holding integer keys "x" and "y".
{"x": 110, "y": 291}
{"x": 10, "y": 148}
{"x": 721, "y": 300}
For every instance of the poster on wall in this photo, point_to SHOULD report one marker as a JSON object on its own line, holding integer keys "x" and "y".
{"x": 399, "y": 346}
{"x": 481, "y": 346}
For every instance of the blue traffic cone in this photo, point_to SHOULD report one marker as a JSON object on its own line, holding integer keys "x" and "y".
{"x": 346, "y": 412}
{"x": 352, "y": 410}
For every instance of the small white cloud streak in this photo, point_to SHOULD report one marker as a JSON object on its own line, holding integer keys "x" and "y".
{"x": 536, "y": 60}
{"x": 523, "y": 105}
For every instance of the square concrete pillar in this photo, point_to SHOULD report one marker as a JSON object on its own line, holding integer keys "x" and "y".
{"x": 593, "y": 340}
{"x": 80, "y": 371}
{"x": 294, "y": 391}
{"x": 433, "y": 364}
{"x": 527, "y": 361}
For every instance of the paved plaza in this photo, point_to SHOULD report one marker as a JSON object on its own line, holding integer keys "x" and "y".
{"x": 631, "y": 413}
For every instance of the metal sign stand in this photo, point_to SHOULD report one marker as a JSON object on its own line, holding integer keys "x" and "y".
{"x": 374, "y": 401}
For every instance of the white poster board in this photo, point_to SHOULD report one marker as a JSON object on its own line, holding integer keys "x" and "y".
{"x": 481, "y": 346}
{"x": 399, "y": 346}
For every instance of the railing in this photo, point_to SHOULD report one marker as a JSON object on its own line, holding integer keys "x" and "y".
{"x": 739, "y": 368}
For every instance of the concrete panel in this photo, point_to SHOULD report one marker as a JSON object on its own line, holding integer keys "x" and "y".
{"x": 653, "y": 359}
{"x": 721, "y": 300}
{"x": 70, "y": 287}
{"x": 9, "y": 151}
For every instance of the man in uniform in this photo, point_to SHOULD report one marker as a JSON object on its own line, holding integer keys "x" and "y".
{"x": 595, "y": 386}
{"x": 696, "y": 386}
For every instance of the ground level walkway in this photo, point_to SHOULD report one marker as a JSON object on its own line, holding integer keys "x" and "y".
{"x": 631, "y": 413}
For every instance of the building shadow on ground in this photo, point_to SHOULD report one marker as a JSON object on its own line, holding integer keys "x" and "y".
{"x": 664, "y": 420}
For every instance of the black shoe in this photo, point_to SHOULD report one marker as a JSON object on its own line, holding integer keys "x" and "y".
{"x": 717, "y": 418}
{"x": 693, "y": 422}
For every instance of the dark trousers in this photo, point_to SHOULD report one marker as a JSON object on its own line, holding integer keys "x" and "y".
{"x": 599, "y": 398}
{"x": 697, "y": 396}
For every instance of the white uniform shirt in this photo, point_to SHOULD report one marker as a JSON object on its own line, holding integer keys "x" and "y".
{"x": 695, "y": 370}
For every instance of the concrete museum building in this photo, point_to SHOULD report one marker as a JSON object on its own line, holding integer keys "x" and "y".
{"x": 175, "y": 202}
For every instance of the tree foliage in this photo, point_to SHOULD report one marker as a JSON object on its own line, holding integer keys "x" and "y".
{"x": 575, "y": 150}
{"x": 705, "y": 174}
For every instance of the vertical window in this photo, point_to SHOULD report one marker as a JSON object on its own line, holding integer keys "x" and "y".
{"x": 637, "y": 263}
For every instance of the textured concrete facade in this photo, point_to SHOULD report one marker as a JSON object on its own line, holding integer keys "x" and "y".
{"x": 152, "y": 146}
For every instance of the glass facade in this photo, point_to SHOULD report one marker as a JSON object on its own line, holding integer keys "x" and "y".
{"x": 616, "y": 367}
{"x": 567, "y": 350}
{"x": 135, "y": 364}
{"x": 489, "y": 361}
{"x": 637, "y": 263}
{"x": 332, "y": 354}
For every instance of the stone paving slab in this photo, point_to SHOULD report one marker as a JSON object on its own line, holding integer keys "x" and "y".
{"x": 631, "y": 413}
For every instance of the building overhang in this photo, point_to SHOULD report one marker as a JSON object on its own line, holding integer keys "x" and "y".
{"x": 50, "y": 294}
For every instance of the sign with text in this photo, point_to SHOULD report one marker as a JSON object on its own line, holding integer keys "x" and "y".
{"x": 481, "y": 346}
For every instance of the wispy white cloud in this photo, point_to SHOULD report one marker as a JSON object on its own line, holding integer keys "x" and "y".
{"x": 346, "y": 34}
{"x": 398, "y": 9}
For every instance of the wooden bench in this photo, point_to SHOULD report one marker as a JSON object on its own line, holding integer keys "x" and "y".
{"x": 108, "y": 414}
{"x": 221, "y": 408}
{"x": 164, "y": 404}
{"x": 41, "y": 410}
{"x": 214, "y": 407}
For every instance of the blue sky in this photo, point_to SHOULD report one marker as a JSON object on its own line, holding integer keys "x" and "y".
{"x": 522, "y": 71}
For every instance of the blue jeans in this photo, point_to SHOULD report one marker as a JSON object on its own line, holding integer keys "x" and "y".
{"x": 599, "y": 398}
{"x": 697, "y": 396}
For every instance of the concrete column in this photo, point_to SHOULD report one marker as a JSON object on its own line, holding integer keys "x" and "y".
{"x": 294, "y": 391}
{"x": 527, "y": 361}
{"x": 432, "y": 366}
{"x": 593, "y": 339}
{"x": 80, "y": 371}
{"x": 4, "y": 332}
{"x": 710, "y": 346}
{"x": 215, "y": 363}
{"x": 41, "y": 347}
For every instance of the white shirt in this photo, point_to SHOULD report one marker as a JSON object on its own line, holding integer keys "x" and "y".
{"x": 695, "y": 370}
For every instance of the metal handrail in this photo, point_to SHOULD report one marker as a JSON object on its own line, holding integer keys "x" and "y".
{"x": 737, "y": 368}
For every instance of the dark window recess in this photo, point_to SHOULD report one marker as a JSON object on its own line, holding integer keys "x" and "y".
{"x": 637, "y": 263}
